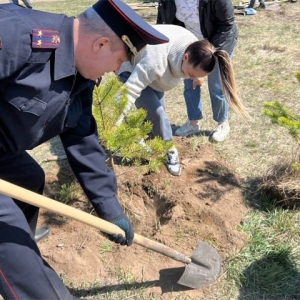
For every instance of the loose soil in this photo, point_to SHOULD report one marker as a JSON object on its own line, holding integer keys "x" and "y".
{"x": 204, "y": 203}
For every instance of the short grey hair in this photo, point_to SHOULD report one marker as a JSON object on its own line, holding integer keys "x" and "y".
{"x": 92, "y": 23}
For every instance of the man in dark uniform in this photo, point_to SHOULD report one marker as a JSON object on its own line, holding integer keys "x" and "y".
{"x": 49, "y": 64}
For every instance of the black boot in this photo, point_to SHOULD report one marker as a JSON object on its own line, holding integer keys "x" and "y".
{"x": 262, "y": 4}
{"x": 41, "y": 233}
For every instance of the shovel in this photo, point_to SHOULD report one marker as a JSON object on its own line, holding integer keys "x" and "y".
{"x": 202, "y": 268}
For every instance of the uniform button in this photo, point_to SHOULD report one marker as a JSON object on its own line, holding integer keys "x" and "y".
{"x": 23, "y": 107}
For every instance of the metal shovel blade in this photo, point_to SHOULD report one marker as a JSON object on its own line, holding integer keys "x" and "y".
{"x": 204, "y": 269}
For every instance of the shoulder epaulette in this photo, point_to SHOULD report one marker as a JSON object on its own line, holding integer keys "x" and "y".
{"x": 45, "y": 39}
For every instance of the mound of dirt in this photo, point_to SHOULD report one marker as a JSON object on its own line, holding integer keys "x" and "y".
{"x": 204, "y": 203}
{"x": 281, "y": 183}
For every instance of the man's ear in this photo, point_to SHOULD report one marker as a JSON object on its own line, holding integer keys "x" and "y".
{"x": 99, "y": 43}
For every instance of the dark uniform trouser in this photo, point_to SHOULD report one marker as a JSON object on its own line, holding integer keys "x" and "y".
{"x": 24, "y": 274}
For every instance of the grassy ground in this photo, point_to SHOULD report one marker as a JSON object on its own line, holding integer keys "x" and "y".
{"x": 265, "y": 61}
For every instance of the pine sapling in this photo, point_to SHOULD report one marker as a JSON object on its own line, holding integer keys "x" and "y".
{"x": 129, "y": 140}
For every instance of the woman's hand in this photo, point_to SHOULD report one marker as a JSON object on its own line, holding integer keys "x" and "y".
{"x": 197, "y": 81}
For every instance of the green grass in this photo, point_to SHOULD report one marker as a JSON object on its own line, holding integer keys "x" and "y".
{"x": 106, "y": 247}
{"x": 266, "y": 61}
{"x": 69, "y": 192}
{"x": 68, "y": 7}
{"x": 268, "y": 267}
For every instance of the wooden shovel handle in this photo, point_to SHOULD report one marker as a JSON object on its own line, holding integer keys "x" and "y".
{"x": 38, "y": 200}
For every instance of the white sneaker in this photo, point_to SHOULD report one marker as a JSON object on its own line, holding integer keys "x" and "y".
{"x": 219, "y": 135}
{"x": 173, "y": 163}
{"x": 187, "y": 129}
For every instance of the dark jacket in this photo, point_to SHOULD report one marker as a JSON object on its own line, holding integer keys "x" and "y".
{"x": 216, "y": 21}
{"x": 42, "y": 96}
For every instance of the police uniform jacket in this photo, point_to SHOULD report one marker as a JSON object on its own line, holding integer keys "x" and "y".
{"x": 216, "y": 19}
{"x": 42, "y": 96}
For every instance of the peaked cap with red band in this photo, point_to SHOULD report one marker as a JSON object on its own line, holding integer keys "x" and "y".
{"x": 130, "y": 27}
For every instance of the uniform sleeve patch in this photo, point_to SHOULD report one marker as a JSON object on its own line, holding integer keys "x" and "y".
{"x": 45, "y": 39}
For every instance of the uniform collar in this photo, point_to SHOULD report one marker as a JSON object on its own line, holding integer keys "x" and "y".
{"x": 64, "y": 65}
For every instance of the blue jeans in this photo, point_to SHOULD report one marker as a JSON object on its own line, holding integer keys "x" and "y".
{"x": 27, "y": 3}
{"x": 153, "y": 102}
{"x": 193, "y": 100}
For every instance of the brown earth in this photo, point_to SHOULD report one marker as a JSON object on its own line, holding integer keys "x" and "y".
{"x": 204, "y": 203}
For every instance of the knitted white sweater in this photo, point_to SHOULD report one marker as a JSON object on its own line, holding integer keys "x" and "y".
{"x": 158, "y": 66}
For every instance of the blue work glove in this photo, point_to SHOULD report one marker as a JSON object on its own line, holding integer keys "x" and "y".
{"x": 123, "y": 222}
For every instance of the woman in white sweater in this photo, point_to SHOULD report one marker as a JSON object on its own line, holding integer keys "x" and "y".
{"x": 160, "y": 68}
